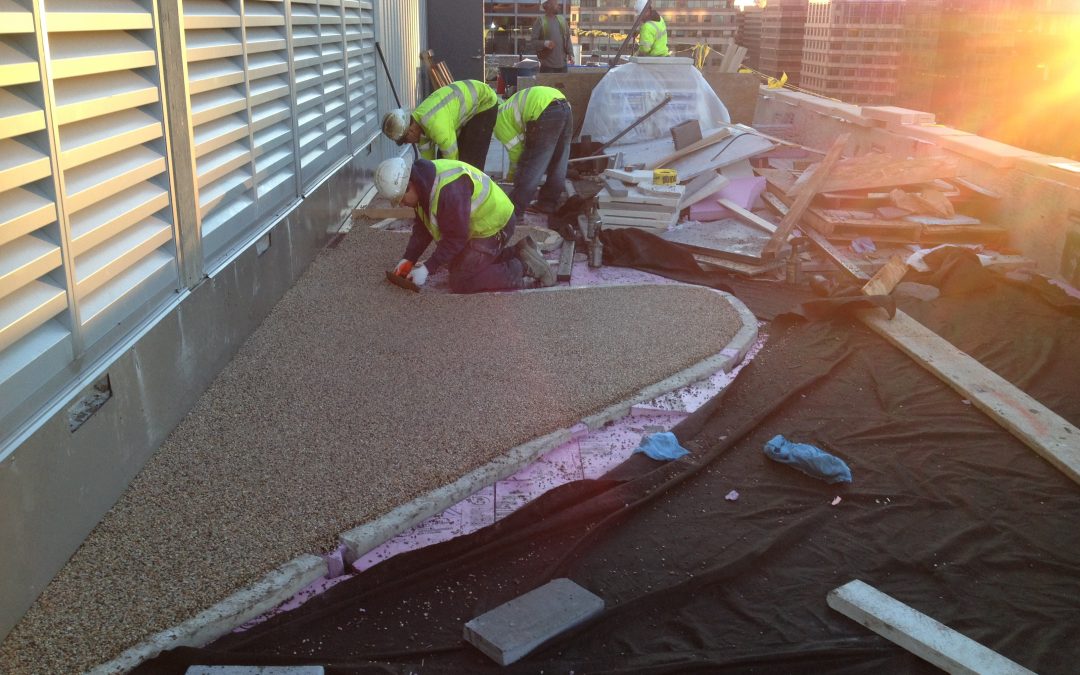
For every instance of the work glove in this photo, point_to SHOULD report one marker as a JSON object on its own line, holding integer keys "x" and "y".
{"x": 403, "y": 268}
{"x": 418, "y": 275}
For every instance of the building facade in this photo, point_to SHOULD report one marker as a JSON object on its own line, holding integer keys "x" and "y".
{"x": 783, "y": 27}
{"x": 166, "y": 174}
{"x": 852, "y": 49}
{"x": 748, "y": 33}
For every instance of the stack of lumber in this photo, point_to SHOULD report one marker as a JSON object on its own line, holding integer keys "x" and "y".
{"x": 892, "y": 200}
{"x": 631, "y": 199}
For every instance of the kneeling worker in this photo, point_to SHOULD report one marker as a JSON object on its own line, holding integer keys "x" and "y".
{"x": 465, "y": 213}
{"x": 453, "y": 123}
{"x": 536, "y": 125}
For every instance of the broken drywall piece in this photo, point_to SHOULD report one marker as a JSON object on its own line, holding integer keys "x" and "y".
{"x": 740, "y": 169}
{"x": 702, "y": 187}
{"x": 633, "y": 177}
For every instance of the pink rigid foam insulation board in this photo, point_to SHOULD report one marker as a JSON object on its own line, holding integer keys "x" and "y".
{"x": 742, "y": 191}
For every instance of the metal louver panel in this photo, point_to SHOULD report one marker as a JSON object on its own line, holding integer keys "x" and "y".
{"x": 334, "y": 84}
{"x": 271, "y": 104}
{"x": 35, "y": 333}
{"x": 320, "y": 83}
{"x": 112, "y": 155}
{"x": 362, "y": 73}
{"x": 213, "y": 31}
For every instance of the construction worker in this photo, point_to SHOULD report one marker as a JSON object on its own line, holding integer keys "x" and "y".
{"x": 453, "y": 123}
{"x": 536, "y": 125}
{"x": 551, "y": 39}
{"x": 652, "y": 37}
{"x": 465, "y": 213}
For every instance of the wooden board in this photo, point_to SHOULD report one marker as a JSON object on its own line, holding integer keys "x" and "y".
{"x": 916, "y": 632}
{"x": 381, "y": 212}
{"x": 566, "y": 260}
{"x": 705, "y": 185}
{"x": 835, "y": 255}
{"x": 711, "y": 139}
{"x": 878, "y": 171}
{"x": 717, "y": 156}
{"x": 708, "y": 262}
{"x": 1041, "y": 429}
{"x": 887, "y": 277}
{"x": 747, "y": 216}
{"x": 811, "y": 188}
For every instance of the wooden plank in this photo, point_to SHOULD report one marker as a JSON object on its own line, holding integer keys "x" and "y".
{"x": 887, "y": 277}
{"x": 811, "y": 188}
{"x": 916, "y": 632}
{"x": 878, "y": 171}
{"x": 835, "y": 255}
{"x": 566, "y": 260}
{"x": 705, "y": 185}
{"x": 746, "y": 269}
{"x": 747, "y": 216}
{"x": 711, "y": 139}
{"x": 1041, "y": 429}
{"x": 381, "y": 212}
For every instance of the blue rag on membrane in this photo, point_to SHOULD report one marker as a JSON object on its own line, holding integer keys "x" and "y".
{"x": 662, "y": 446}
{"x": 810, "y": 460}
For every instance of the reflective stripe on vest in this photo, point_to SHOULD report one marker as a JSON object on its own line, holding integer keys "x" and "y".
{"x": 465, "y": 104}
{"x": 517, "y": 107}
{"x": 485, "y": 219}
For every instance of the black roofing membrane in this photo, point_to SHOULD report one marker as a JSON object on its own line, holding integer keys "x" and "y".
{"x": 947, "y": 513}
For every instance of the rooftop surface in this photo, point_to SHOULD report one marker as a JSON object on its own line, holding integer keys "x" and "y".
{"x": 352, "y": 398}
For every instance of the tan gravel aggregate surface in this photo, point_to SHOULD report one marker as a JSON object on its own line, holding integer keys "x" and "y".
{"x": 353, "y": 397}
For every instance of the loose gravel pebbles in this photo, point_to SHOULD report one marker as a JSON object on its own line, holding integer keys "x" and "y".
{"x": 352, "y": 398}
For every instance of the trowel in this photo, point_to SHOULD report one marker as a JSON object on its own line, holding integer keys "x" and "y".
{"x": 403, "y": 282}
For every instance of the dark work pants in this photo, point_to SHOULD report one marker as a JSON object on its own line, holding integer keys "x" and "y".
{"x": 475, "y": 137}
{"x": 551, "y": 69}
{"x": 486, "y": 265}
{"x": 547, "y": 148}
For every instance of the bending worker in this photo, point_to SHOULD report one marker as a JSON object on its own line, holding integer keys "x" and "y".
{"x": 453, "y": 123}
{"x": 652, "y": 38}
{"x": 466, "y": 214}
{"x": 536, "y": 125}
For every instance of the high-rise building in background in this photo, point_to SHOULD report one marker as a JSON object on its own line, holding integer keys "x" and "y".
{"x": 689, "y": 22}
{"x": 748, "y": 33}
{"x": 783, "y": 30}
{"x": 1005, "y": 69}
{"x": 852, "y": 49}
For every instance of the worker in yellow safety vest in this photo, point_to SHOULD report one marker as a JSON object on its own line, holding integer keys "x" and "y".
{"x": 536, "y": 125}
{"x": 453, "y": 123}
{"x": 466, "y": 214}
{"x": 551, "y": 39}
{"x": 652, "y": 38}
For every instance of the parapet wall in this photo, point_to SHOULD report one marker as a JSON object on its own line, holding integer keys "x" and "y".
{"x": 1040, "y": 194}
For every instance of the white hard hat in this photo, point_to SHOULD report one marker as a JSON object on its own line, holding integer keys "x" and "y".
{"x": 639, "y": 5}
{"x": 392, "y": 178}
{"x": 395, "y": 124}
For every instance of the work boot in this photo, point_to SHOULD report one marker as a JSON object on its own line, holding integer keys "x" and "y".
{"x": 535, "y": 264}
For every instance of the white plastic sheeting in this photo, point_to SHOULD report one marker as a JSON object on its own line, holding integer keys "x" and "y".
{"x": 629, "y": 91}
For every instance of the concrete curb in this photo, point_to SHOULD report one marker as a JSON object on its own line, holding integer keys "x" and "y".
{"x": 361, "y": 540}
{"x": 240, "y": 607}
{"x": 281, "y": 584}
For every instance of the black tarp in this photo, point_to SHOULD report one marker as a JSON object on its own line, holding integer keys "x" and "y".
{"x": 947, "y": 513}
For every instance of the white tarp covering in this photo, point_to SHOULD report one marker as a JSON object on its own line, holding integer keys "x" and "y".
{"x": 629, "y": 91}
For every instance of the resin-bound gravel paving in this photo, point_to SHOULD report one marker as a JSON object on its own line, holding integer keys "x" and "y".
{"x": 352, "y": 398}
